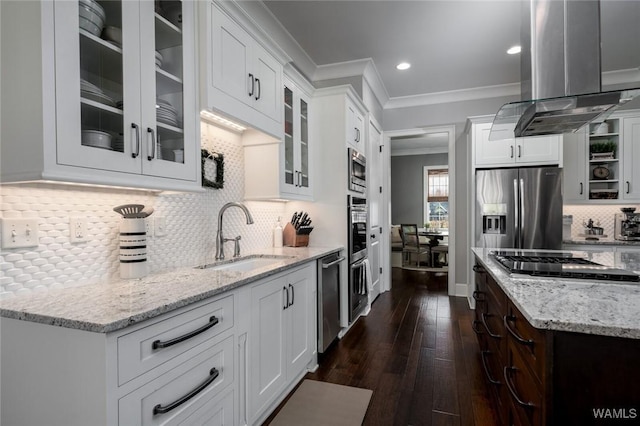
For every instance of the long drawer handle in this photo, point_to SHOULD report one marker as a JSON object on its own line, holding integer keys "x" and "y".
{"x": 519, "y": 339}
{"x": 159, "y": 409}
{"x": 512, "y": 391}
{"x": 484, "y": 321}
{"x": 486, "y": 369}
{"x": 335, "y": 262}
{"x": 135, "y": 153}
{"x": 478, "y": 268}
{"x": 474, "y": 326}
{"x": 152, "y": 155}
{"x": 158, "y": 344}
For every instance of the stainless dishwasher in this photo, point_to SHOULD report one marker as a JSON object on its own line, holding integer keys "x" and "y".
{"x": 328, "y": 299}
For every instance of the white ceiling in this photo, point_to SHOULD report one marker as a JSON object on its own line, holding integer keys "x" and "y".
{"x": 452, "y": 45}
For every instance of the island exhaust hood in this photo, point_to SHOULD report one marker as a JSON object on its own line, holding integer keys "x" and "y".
{"x": 560, "y": 72}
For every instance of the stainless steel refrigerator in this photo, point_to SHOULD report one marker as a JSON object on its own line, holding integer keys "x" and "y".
{"x": 519, "y": 208}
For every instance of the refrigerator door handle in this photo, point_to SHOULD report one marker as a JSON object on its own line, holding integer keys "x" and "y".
{"x": 516, "y": 215}
{"x": 523, "y": 214}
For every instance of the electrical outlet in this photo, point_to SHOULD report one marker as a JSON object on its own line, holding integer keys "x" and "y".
{"x": 160, "y": 227}
{"x": 78, "y": 229}
{"x": 148, "y": 224}
{"x": 19, "y": 233}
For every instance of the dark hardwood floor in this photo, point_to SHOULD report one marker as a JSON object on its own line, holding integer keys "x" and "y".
{"x": 417, "y": 352}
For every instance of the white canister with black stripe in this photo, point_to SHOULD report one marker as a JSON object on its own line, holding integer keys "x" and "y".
{"x": 133, "y": 248}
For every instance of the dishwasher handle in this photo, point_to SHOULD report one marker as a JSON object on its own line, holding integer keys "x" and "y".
{"x": 335, "y": 262}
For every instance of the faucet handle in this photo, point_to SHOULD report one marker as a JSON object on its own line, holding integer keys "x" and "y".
{"x": 236, "y": 245}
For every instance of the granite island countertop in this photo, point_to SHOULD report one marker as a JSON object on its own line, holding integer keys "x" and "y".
{"x": 603, "y": 242}
{"x": 580, "y": 306}
{"x": 108, "y": 307}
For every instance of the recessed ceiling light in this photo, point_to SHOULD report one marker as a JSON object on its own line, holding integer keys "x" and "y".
{"x": 514, "y": 50}
{"x": 403, "y": 66}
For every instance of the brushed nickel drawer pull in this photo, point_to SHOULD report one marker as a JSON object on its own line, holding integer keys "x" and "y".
{"x": 158, "y": 344}
{"x": 159, "y": 409}
{"x": 512, "y": 391}
{"x": 474, "y": 327}
{"x": 493, "y": 381}
{"x": 519, "y": 339}
{"x": 484, "y": 321}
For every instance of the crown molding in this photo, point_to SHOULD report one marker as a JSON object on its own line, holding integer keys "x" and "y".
{"x": 512, "y": 89}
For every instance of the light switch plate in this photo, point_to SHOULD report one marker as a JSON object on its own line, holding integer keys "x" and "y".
{"x": 78, "y": 229}
{"x": 19, "y": 233}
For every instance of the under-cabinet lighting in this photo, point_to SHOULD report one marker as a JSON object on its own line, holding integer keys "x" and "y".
{"x": 514, "y": 50}
{"x": 403, "y": 66}
{"x": 36, "y": 183}
{"x": 216, "y": 119}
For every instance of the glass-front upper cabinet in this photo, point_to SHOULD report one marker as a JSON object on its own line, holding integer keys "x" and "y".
{"x": 121, "y": 100}
{"x": 296, "y": 141}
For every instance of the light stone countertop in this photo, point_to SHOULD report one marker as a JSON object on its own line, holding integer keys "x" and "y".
{"x": 112, "y": 306}
{"x": 580, "y": 306}
{"x": 604, "y": 242}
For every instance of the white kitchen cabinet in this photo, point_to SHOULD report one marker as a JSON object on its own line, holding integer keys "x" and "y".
{"x": 376, "y": 205}
{"x": 631, "y": 159}
{"x": 240, "y": 78}
{"x": 575, "y": 167}
{"x": 90, "y": 378}
{"x": 356, "y": 136}
{"x": 288, "y": 173}
{"x": 79, "y": 84}
{"x": 527, "y": 151}
{"x": 281, "y": 338}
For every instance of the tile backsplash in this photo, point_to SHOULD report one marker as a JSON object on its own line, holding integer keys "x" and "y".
{"x": 191, "y": 226}
{"x": 603, "y": 213}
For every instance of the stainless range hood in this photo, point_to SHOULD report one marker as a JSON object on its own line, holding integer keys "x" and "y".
{"x": 560, "y": 72}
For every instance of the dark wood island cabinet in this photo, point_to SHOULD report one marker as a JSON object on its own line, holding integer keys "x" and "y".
{"x": 549, "y": 377}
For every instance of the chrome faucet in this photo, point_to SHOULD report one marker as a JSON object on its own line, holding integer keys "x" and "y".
{"x": 220, "y": 240}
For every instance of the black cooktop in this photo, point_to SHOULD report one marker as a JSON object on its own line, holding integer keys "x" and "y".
{"x": 561, "y": 265}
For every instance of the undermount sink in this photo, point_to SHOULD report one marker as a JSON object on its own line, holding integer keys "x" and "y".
{"x": 246, "y": 263}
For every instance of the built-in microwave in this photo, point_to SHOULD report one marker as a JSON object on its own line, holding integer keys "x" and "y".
{"x": 357, "y": 171}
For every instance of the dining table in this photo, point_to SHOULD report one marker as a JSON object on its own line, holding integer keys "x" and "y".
{"x": 433, "y": 235}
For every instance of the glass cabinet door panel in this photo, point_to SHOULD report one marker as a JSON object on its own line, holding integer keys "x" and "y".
{"x": 169, "y": 87}
{"x": 288, "y": 137}
{"x": 91, "y": 50}
{"x": 304, "y": 144}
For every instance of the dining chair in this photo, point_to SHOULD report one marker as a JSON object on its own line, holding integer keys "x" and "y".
{"x": 411, "y": 244}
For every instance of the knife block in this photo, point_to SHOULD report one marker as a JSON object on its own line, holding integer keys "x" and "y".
{"x": 292, "y": 239}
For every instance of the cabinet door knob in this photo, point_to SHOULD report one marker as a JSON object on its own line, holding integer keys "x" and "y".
{"x": 135, "y": 153}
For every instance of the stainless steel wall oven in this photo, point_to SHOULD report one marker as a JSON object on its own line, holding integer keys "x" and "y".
{"x": 357, "y": 171}
{"x": 358, "y": 221}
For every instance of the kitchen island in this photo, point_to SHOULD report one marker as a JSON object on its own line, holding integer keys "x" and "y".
{"x": 558, "y": 351}
{"x": 217, "y": 345}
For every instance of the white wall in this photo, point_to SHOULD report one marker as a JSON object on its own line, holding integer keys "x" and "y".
{"x": 191, "y": 224}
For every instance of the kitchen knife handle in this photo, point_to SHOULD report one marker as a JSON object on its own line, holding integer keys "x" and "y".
{"x": 253, "y": 84}
{"x": 159, "y": 409}
{"x": 137, "y": 151}
{"x": 158, "y": 344}
{"x": 153, "y": 144}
